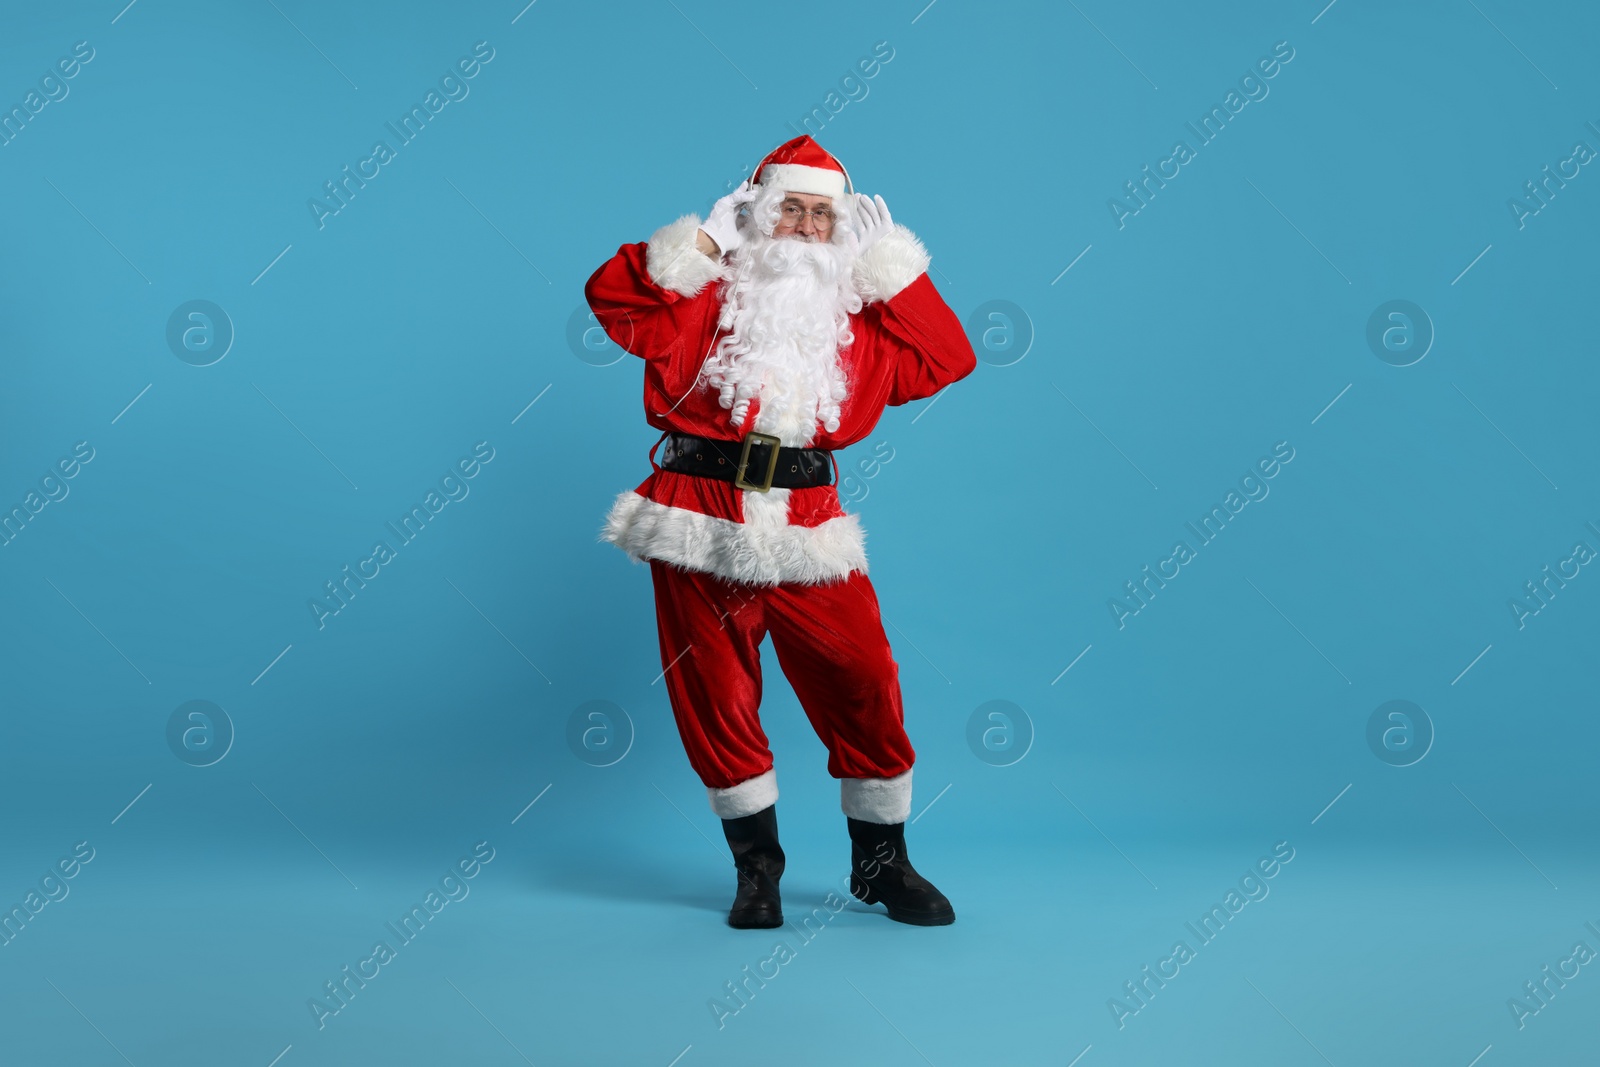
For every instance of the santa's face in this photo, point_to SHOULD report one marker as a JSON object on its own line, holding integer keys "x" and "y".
{"x": 787, "y": 300}
{"x": 798, "y": 215}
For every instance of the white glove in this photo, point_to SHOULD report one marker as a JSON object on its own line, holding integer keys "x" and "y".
{"x": 722, "y": 224}
{"x": 872, "y": 221}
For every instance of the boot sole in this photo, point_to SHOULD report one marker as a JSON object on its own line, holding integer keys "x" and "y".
{"x": 755, "y": 922}
{"x": 924, "y": 920}
{"x": 863, "y": 892}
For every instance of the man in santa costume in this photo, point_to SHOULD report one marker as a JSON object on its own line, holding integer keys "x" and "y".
{"x": 774, "y": 332}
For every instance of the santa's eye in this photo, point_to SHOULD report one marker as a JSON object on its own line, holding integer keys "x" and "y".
{"x": 822, "y": 218}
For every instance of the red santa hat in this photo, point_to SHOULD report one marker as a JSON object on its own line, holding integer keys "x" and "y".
{"x": 803, "y": 166}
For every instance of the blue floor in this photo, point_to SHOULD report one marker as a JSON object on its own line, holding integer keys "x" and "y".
{"x": 595, "y": 935}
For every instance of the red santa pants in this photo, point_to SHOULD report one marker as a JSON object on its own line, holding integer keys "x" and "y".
{"x": 831, "y": 646}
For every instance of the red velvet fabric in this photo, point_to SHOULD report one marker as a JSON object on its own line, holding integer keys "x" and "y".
{"x": 906, "y": 348}
{"x": 831, "y": 647}
{"x": 828, "y": 636}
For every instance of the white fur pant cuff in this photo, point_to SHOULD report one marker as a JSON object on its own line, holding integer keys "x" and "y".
{"x": 879, "y": 800}
{"x": 746, "y": 798}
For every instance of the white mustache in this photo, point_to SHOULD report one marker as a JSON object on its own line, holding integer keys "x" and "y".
{"x": 777, "y": 256}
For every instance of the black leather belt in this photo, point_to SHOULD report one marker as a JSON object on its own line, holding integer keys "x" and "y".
{"x": 756, "y": 461}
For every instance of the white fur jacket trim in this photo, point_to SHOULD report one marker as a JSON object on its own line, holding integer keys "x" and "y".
{"x": 896, "y": 261}
{"x": 762, "y": 550}
{"x": 675, "y": 263}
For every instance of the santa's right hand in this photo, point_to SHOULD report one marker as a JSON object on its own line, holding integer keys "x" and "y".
{"x": 722, "y": 224}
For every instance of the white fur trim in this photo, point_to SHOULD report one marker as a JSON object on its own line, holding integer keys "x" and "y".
{"x": 746, "y": 798}
{"x": 675, "y": 263}
{"x": 879, "y": 800}
{"x": 763, "y": 550}
{"x": 896, "y": 261}
{"x": 794, "y": 178}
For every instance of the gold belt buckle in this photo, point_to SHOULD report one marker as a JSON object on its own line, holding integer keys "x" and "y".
{"x": 744, "y": 461}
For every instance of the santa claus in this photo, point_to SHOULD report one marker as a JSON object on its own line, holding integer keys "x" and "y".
{"x": 774, "y": 332}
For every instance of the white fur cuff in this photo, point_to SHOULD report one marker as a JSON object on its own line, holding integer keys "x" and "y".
{"x": 746, "y": 798}
{"x": 799, "y": 178}
{"x": 896, "y": 261}
{"x": 879, "y": 800}
{"x": 675, "y": 263}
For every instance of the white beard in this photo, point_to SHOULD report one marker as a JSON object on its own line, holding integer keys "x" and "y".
{"x": 787, "y": 302}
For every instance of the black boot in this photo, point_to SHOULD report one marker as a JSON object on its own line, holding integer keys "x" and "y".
{"x": 880, "y": 870}
{"x": 758, "y": 859}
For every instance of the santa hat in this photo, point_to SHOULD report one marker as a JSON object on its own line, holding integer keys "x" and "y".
{"x": 803, "y": 166}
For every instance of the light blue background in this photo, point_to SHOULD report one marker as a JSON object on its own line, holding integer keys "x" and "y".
{"x": 1228, "y": 715}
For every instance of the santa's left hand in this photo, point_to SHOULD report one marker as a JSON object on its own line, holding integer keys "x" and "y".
{"x": 872, "y": 221}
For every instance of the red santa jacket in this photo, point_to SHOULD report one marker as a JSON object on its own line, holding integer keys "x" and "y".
{"x": 656, "y": 300}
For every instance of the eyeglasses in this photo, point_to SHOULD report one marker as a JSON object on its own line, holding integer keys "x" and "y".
{"x": 822, "y": 218}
